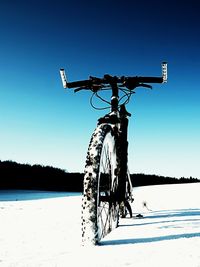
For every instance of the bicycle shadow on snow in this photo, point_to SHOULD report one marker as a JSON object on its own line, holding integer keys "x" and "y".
{"x": 170, "y": 215}
{"x": 184, "y": 213}
{"x": 148, "y": 240}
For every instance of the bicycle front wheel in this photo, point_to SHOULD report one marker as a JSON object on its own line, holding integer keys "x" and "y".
{"x": 100, "y": 209}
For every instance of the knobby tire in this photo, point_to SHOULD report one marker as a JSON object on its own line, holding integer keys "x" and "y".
{"x": 100, "y": 209}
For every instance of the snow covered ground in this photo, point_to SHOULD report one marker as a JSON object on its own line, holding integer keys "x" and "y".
{"x": 43, "y": 229}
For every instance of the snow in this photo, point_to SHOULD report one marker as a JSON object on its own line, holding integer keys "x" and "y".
{"x": 43, "y": 229}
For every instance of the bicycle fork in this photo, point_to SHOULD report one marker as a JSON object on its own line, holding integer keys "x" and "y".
{"x": 123, "y": 153}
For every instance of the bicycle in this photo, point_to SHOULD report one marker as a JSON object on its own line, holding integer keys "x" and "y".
{"x": 107, "y": 187}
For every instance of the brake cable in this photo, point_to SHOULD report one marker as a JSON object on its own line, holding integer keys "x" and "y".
{"x": 127, "y": 94}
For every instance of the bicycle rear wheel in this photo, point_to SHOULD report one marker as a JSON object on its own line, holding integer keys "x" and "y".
{"x": 100, "y": 209}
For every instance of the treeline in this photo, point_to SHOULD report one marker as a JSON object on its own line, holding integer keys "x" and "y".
{"x": 36, "y": 177}
{"x": 141, "y": 179}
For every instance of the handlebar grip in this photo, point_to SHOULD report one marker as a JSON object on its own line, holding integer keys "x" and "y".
{"x": 63, "y": 78}
{"x": 67, "y": 84}
{"x": 164, "y": 71}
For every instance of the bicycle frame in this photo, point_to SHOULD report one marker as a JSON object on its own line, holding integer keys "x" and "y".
{"x": 119, "y": 119}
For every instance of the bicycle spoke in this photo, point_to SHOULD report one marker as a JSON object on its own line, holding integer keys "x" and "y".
{"x": 104, "y": 221}
{"x": 106, "y": 190}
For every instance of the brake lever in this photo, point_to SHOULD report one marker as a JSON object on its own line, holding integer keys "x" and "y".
{"x": 79, "y": 89}
{"x": 145, "y": 85}
{"x": 94, "y": 88}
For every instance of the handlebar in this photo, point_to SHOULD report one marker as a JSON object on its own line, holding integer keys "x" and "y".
{"x": 131, "y": 83}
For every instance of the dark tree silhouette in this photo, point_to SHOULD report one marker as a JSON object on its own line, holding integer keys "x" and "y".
{"x": 14, "y": 175}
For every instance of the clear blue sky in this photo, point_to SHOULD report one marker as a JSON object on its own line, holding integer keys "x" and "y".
{"x": 41, "y": 123}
